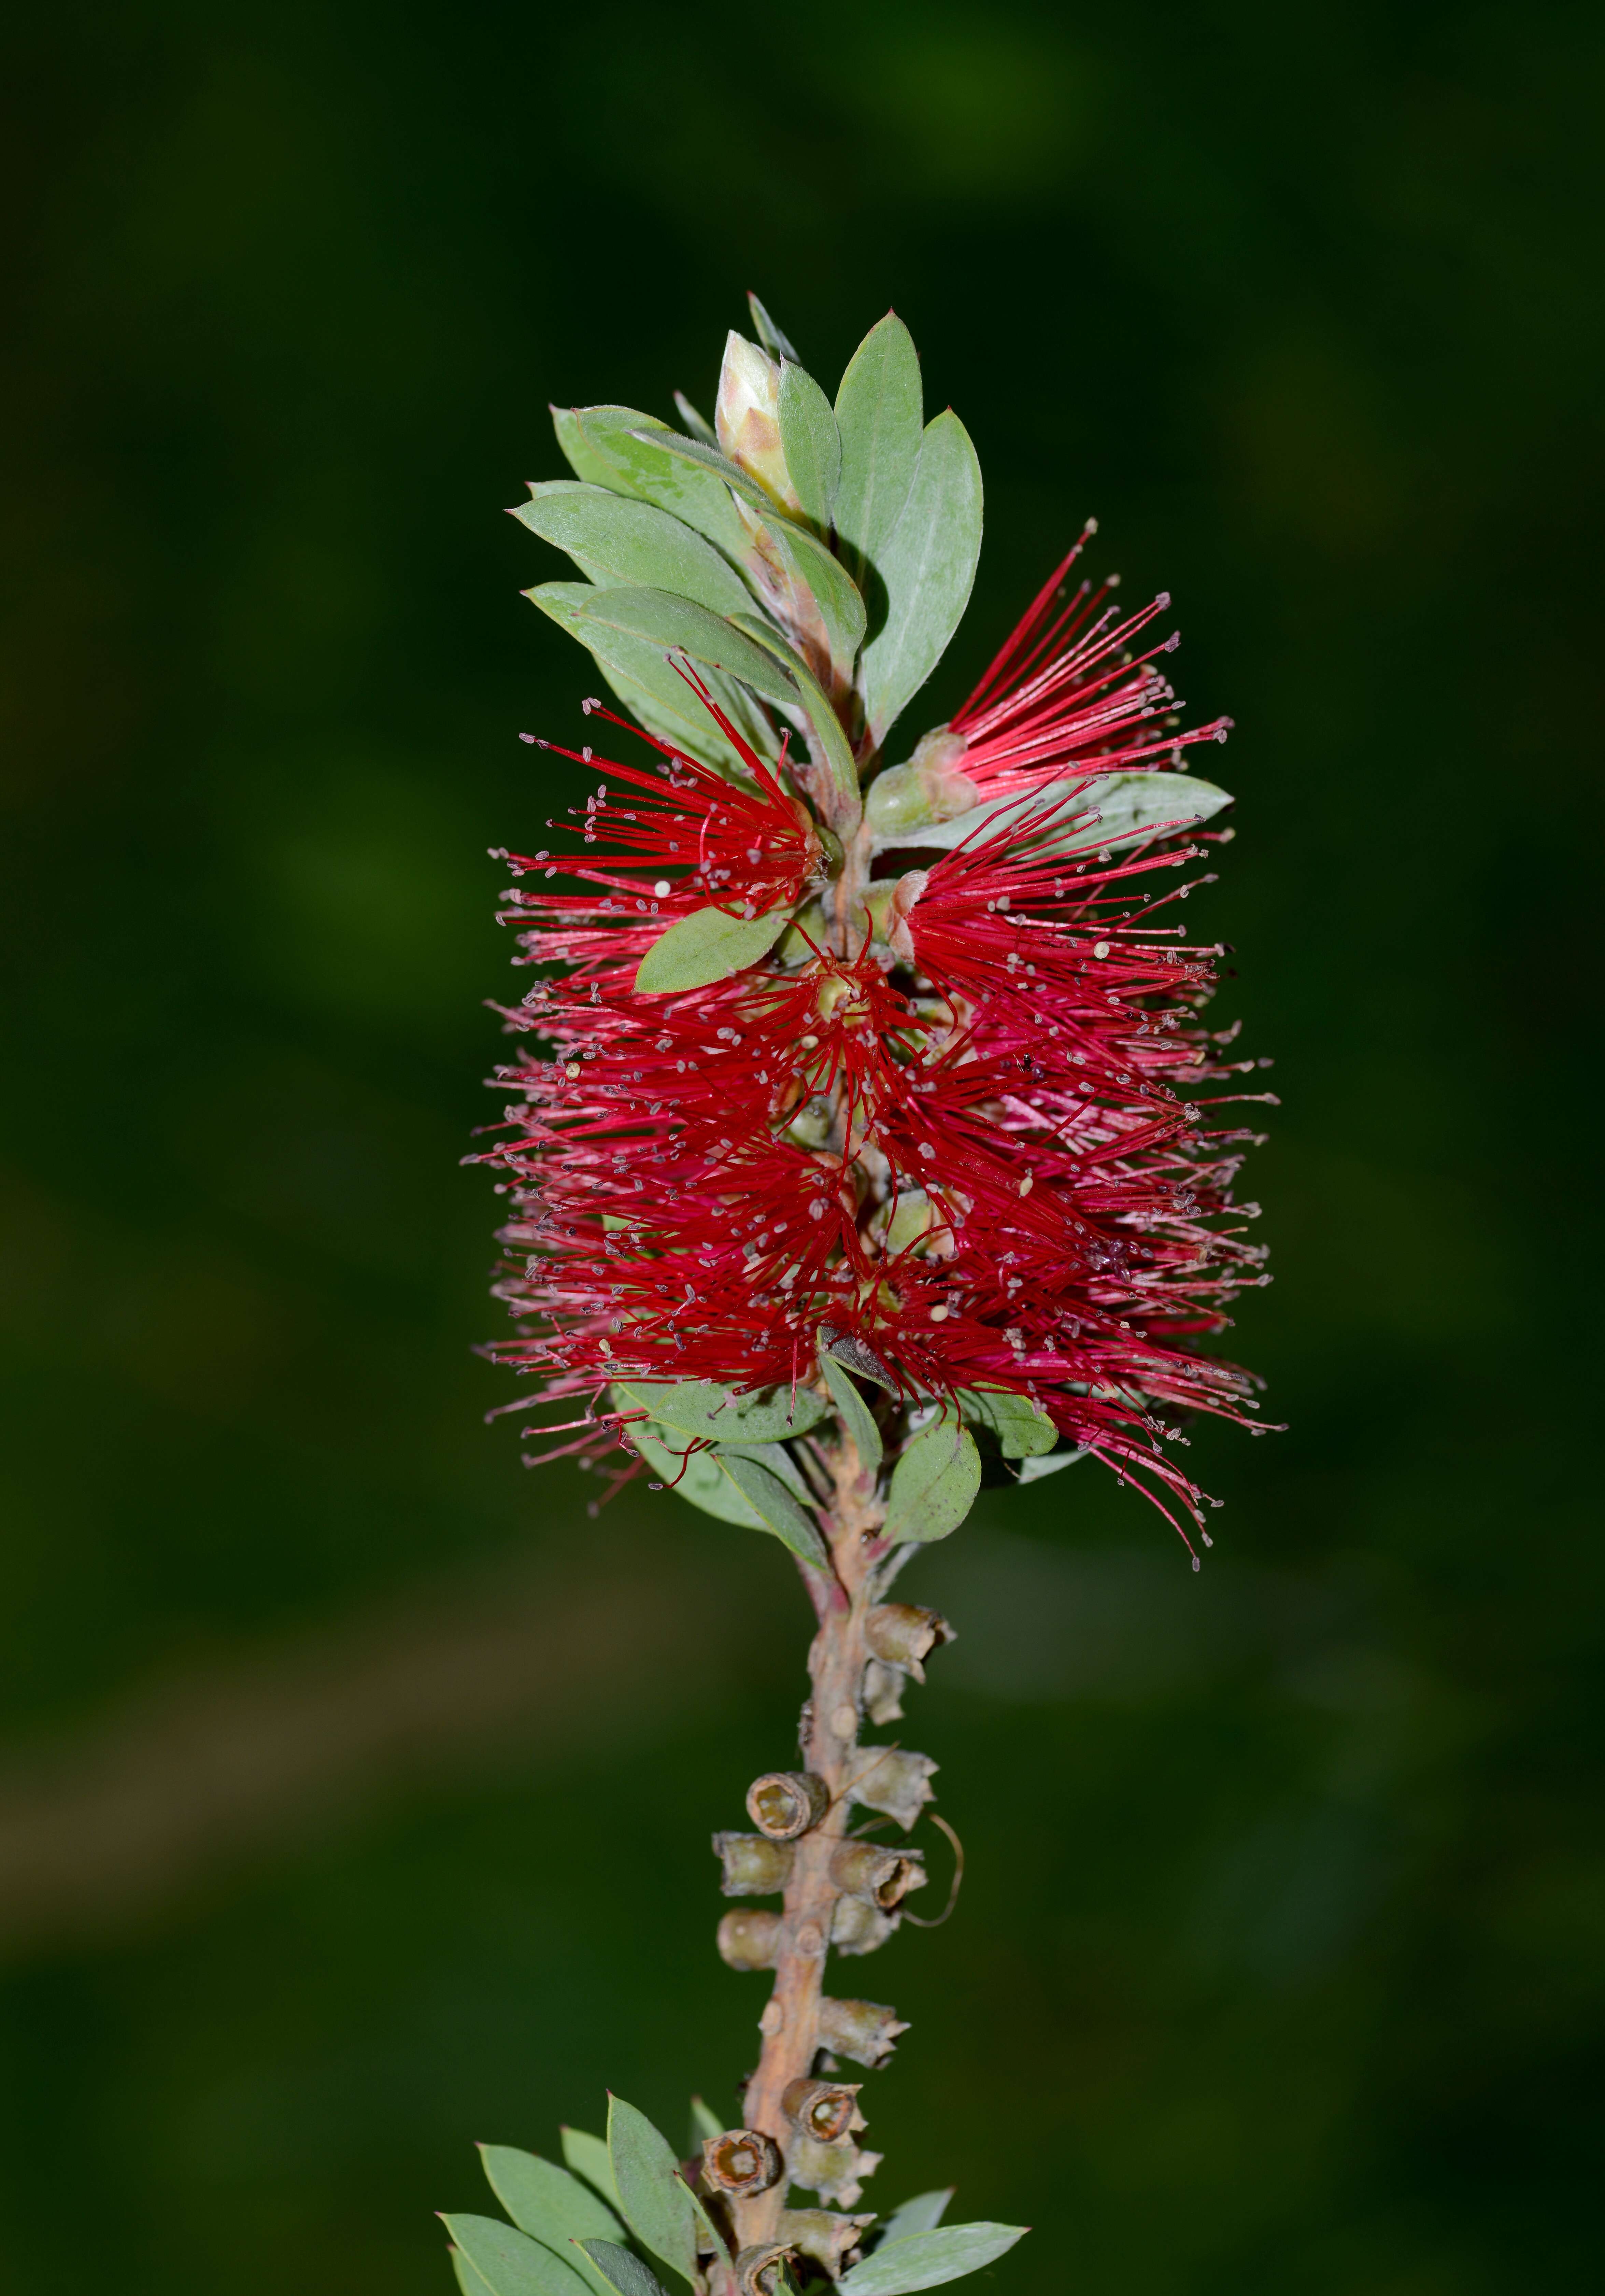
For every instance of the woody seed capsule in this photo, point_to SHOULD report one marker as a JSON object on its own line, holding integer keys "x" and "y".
{"x": 882, "y": 1876}
{"x": 887, "y": 1779}
{"x": 761, "y": 2271}
{"x": 904, "y": 1634}
{"x": 749, "y": 1939}
{"x": 866, "y": 2031}
{"x": 830, "y": 2240}
{"x": 754, "y": 1867}
{"x": 785, "y": 1803}
{"x": 858, "y": 1927}
{"x": 827, "y": 2110}
{"x": 836, "y": 2172}
{"x": 740, "y": 2161}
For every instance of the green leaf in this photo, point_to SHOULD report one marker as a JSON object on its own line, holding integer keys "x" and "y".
{"x": 675, "y": 624}
{"x": 545, "y": 2200}
{"x": 622, "y": 2269}
{"x": 648, "y": 684}
{"x": 923, "y": 2213}
{"x": 925, "y": 2259}
{"x": 511, "y": 2264}
{"x": 1032, "y": 1470}
{"x": 829, "y": 741}
{"x": 715, "y": 463}
{"x": 590, "y": 466}
{"x": 929, "y": 567}
{"x": 468, "y": 2279}
{"x": 779, "y": 1462}
{"x": 704, "y": 2123}
{"x": 766, "y": 332}
{"x": 775, "y": 1507}
{"x": 810, "y": 441}
{"x": 699, "y": 1406}
{"x": 589, "y": 2158}
{"x": 697, "y": 424}
{"x": 856, "y": 1413}
{"x": 709, "y": 945}
{"x": 815, "y": 588}
{"x": 616, "y": 456}
{"x": 1023, "y": 1430}
{"x": 657, "y": 2206}
{"x": 935, "y": 1482}
{"x": 1130, "y": 807}
{"x": 699, "y": 1479}
{"x": 879, "y": 414}
{"x": 614, "y": 540}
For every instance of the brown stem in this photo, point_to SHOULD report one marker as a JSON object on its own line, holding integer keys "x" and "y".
{"x": 789, "y": 2024}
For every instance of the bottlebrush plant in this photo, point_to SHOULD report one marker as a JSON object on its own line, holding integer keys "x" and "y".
{"x": 859, "y": 1154}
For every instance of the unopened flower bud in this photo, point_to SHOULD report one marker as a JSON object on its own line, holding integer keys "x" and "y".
{"x": 784, "y": 1803}
{"x": 747, "y": 418}
{"x": 864, "y": 1869}
{"x": 826, "y": 2110}
{"x": 754, "y": 1866}
{"x": 836, "y": 2172}
{"x": 930, "y": 788}
{"x": 904, "y": 1635}
{"x": 749, "y": 1939}
{"x": 858, "y": 1927}
{"x": 866, "y": 2031}
{"x": 740, "y": 2161}
{"x": 885, "y": 1778}
{"x": 829, "y": 2240}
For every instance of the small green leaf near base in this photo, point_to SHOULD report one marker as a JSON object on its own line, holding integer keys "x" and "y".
{"x": 934, "y": 1483}
{"x": 707, "y": 946}
{"x": 926, "y": 2259}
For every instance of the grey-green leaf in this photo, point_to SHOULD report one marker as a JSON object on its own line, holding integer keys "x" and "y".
{"x": 676, "y": 625}
{"x": 1129, "y": 807}
{"x": 614, "y": 539}
{"x": 698, "y": 1406}
{"x": 856, "y": 1413}
{"x": 926, "y": 2259}
{"x": 934, "y": 1483}
{"x": 1023, "y": 1430}
{"x": 511, "y": 2264}
{"x": 589, "y": 2158}
{"x": 657, "y": 2206}
{"x": 929, "y": 567}
{"x": 696, "y": 422}
{"x": 828, "y": 740}
{"x": 779, "y": 1462}
{"x": 697, "y": 1478}
{"x": 810, "y": 441}
{"x": 468, "y": 2279}
{"x": 583, "y": 459}
{"x": 1032, "y": 1470}
{"x": 614, "y": 456}
{"x": 768, "y": 333}
{"x": 545, "y": 2200}
{"x": 775, "y": 1507}
{"x": 923, "y": 2213}
{"x": 709, "y": 945}
{"x": 623, "y": 2270}
{"x": 647, "y": 682}
{"x": 822, "y": 587}
{"x": 705, "y": 2122}
{"x": 879, "y": 414}
{"x": 715, "y": 463}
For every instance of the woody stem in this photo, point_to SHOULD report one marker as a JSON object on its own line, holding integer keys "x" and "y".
{"x": 790, "y": 2023}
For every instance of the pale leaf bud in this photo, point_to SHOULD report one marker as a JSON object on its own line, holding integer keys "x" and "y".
{"x": 904, "y": 1635}
{"x": 930, "y": 788}
{"x": 885, "y": 1778}
{"x": 829, "y": 2240}
{"x": 866, "y": 2031}
{"x": 864, "y": 1869}
{"x": 836, "y": 2172}
{"x": 784, "y": 1803}
{"x": 747, "y": 418}
{"x": 858, "y": 1927}
{"x": 740, "y": 2161}
{"x": 754, "y": 1866}
{"x": 825, "y": 2109}
{"x": 749, "y": 1939}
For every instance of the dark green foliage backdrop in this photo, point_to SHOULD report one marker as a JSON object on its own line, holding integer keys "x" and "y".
{"x": 354, "y": 1787}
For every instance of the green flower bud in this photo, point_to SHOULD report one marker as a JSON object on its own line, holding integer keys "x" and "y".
{"x": 930, "y": 788}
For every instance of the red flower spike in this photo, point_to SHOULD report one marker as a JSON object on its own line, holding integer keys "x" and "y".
{"x": 976, "y": 1148}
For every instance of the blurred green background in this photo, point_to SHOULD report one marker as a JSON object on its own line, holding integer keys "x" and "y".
{"x": 354, "y": 1787}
